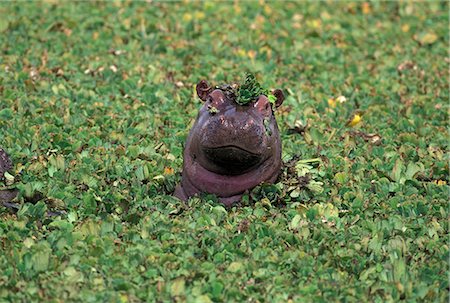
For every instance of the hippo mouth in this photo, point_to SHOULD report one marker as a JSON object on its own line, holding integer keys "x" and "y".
{"x": 231, "y": 160}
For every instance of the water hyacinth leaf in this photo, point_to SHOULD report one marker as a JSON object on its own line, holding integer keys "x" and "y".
{"x": 178, "y": 287}
{"x": 315, "y": 186}
{"x": 235, "y": 267}
{"x": 4, "y": 24}
{"x": 341, "y": 177}
{"x": 90, "y": 99}
{"x": 398, "y": 171}
{"x": 216, "y": 288}
{"x": 250, "y": 90}
{"x": 426, "y": 37}
{"x": 9, "y": 178}
{"x": 412, "y": 169}
{"x": 295, "y": 223}
{"x": 6, "y": 114}
{"x": 41, "y": 257}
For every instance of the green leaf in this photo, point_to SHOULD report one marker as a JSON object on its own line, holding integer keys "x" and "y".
{"x": 272, "y": 99}
{"x": 3, "y": 25}
{"x": 203, "y": 299}
{"x": 250, "y": 90}
{"x": 178, "y": 287}
{"x": 295, "y": 223}
{"x": 412, "y": 169}
{"x": 235, "y": 267}
{"x": 41, "y": 257}
{"x": 9, "y": 178}
{"x": 216, "y": 289}
{"x": 426, "y": 37}
{"x": 315, "y": 186}
{"x": 340, "y": 178}
{"x": 397, "y": 171}
{"x": 6, "y": 114}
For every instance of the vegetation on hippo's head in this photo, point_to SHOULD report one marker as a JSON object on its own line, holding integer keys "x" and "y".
{"x": 250, "y": 90}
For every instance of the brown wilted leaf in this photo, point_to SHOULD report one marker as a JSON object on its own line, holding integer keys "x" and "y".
{"x": 371, "y": 138}
{"x": 406, "y": 65}
{"x": 299, "y": 127}
{"x": 243, "y": 226}
{"x": 116, "y": 52}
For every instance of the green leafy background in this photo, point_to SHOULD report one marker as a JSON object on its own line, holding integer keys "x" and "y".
{"x": 96, "y": 100}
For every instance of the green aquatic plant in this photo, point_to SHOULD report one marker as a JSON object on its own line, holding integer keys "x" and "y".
{"x": 250, "y": 90}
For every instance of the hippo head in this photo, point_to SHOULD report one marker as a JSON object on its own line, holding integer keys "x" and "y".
{"x": 231, "y": 139}
{"x": 232, "y": 147}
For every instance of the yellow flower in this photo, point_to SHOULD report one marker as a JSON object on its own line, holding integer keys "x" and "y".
{"x": 199, "y": 15}
{"x": 187, "y": 17}
{"x": 252, "y": 54}
{"x": 315, "y": 23}
{"x": 237, "y": 8}
{"x": 332, "y": 102}
{"x": 168, "y": 171}
{"x": 355, "y": 120}
{"x": 365, "y": 7}
{"x": 241, "y": 52}
{"x": 405, "y": 28}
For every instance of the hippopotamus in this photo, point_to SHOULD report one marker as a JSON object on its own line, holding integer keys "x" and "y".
{"x": 6, "y": 195}
{"x": 231, "y": 147}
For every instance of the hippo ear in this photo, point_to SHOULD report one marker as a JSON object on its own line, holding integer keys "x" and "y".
{"x": 278, "y": 93}
{"x": 203, "y": 89}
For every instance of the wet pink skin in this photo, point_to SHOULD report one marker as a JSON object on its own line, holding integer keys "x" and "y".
{"x": 231, "y": 148}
